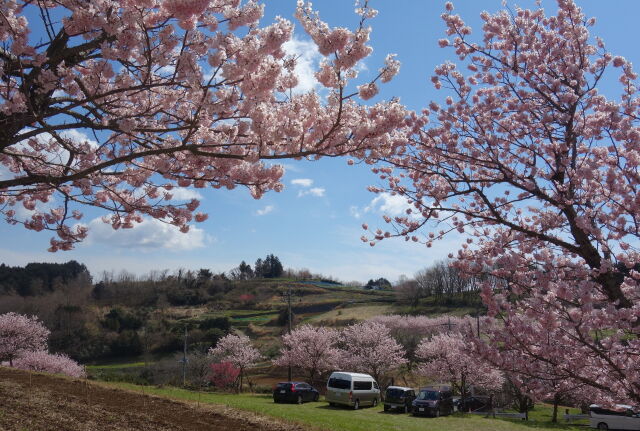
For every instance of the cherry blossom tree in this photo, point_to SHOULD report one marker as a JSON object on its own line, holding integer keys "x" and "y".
{"x": 410, "y": 331}
{"x": 19, "y": 334}
{"x": 43, "y": 361}
{"x": 450, "y": 358}
{"x": 238, "y": 351}
{"x": 311, "y": 349}
{"x": 368, "y": 347}
{"x": 114, "y": 104}
{"x": 540, "y": 171}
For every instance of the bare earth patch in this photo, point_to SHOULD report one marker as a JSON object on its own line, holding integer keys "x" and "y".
{"x": 33, "y": 401}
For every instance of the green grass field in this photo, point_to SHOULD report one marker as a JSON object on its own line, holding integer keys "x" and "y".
{"x": 320, "y": 416}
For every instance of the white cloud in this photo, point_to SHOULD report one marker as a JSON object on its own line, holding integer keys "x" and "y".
{"x": 355, "y": 211}
{"x": 303, "y": 182}
{"x": 266, "y": 210}
{"x": 308, "y": 58}
{"x": 385, "y": 203}
{"x": 77, "y": 136}
{"x": 183, "y": 194}
{"x": 149, "y": 235}
{"x": 314, "y": 191}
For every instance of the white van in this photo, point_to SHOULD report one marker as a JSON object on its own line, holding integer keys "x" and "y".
{"x": 352, "y": 389}
{"x": 620, "y": 417}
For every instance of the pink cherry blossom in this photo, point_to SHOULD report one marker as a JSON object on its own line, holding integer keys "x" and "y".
{"x": 449, "y": 358}
{"x": 237, "y": 350}
{"x": 19, "y": 334}
{"x": 115, "y": 101}
{"x": 43, "y": 361}
{"x": 310, "y": 349}
{"x": 530, "y": 161}
{"x": 368, "y": 347}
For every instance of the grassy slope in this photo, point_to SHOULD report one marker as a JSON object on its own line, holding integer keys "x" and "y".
{"x": 320, "y": 416}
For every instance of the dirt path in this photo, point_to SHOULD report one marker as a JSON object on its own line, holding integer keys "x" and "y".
{"x": 42, "y": 402}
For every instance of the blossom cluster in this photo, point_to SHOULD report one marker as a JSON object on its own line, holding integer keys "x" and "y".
{"x": 123, "y": 101}
{"x": 23, "y": 345}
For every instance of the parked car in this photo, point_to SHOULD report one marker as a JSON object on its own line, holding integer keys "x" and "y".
{"x": 399, "y": 398}
{"x": 433, "y": 402}
{"x": 352, "y": 389}
{"x": 619, "y": 417}
{"x": 294, "y": 392}
{"x": 475, "y": 403}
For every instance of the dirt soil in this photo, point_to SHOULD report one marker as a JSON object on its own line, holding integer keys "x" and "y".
{"x": 34, "y": 401}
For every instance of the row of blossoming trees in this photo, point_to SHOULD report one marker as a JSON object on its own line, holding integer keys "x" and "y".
{"x": 436, "y": 348}
{"x": 526, "y": 157}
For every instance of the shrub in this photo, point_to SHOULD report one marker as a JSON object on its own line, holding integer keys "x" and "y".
{"x": 224, "y": 375}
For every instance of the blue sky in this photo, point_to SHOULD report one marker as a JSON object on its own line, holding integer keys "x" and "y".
{"x": 315, "y": 222}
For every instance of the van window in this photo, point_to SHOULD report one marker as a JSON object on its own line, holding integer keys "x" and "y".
{"x": 361, "y": 386}
{"x": 620, "y": 412}
{"x": 395, "y": 393}
{"x": 375, "y": 385}
{"x": 428, "y": 395}
{"x": 339, "y": 383}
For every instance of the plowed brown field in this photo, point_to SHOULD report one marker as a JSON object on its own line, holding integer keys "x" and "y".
{"x": 33, "y": 401}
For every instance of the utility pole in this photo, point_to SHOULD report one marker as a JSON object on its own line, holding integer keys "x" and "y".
{"x": 448, "y": 324}
{"x": 184, "y": 359}
{"x": 287, "y": 296}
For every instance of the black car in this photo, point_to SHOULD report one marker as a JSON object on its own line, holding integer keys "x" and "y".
{"x": 294, "y": 392}
{"x": 399, "y": 398}
{"x": 433, "y": 402}
{"x": 474, "y": 404}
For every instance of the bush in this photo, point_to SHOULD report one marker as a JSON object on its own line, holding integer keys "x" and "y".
{"x": 224, "y": 375}
{"x": 185, "y": 297}
{"x": 221, "y": 323}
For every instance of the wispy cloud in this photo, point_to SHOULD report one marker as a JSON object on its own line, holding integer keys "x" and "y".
{"x": 266, "y": 210}
{"x": 314, "y": 191}
{"x": 303, "y": 182}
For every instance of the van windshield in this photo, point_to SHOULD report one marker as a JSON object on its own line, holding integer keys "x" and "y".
{"x": 395, "y": 393}
{"x": 428, "y": 395}
{"x": 339, "y": 383}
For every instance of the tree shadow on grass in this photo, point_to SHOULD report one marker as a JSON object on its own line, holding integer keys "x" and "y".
{"x": 543, "y": 424}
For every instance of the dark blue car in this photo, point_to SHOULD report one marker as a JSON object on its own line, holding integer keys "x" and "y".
{"x": 294, "y": 392}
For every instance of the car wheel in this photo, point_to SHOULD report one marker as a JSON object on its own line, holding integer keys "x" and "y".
{"x": 356, "y": 405}
{"x": 375, "y": 402}
{"x": 316, "y": 397}
{"x": 603, "y": 426}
